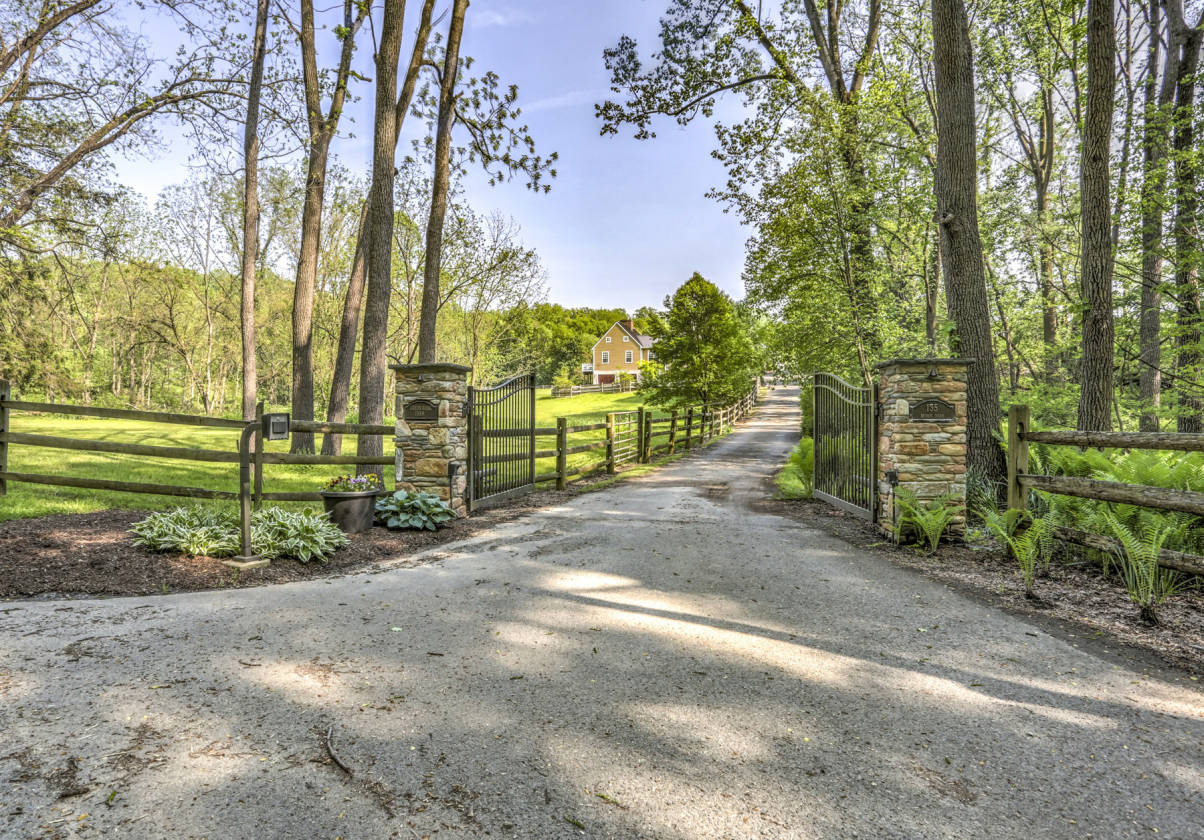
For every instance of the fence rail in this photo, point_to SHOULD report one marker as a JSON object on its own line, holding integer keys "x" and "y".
{"x": 10, "y": 438}
{"x": 1021, "y": 481}
{"x": 614, "y": 388}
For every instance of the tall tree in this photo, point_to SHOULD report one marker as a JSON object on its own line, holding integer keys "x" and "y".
{"x": 340, "y": 382}
{"x": 961, "y": 247}
{"x": 1186, "y": 221}
{"x": 1153, "y": 183}
{"x": 373, "y": 358}
{"x": 322, "y": 128}
{"x": 703, "y": 345}
{"x": 1095, "y": 256}
{"x": 250, "y": 219}
{"x": 440, "y": 183}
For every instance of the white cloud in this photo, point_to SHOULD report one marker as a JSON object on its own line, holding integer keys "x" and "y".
{"x": 569, "y": 99}
{"x": 500, "y": 17}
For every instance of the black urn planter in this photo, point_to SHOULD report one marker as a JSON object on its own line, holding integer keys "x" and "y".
{"x": 353, "y": 512}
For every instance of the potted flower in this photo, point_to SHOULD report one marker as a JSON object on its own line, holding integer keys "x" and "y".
{"x": 350, "y": 501}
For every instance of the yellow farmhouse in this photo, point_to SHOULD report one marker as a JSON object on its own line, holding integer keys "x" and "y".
{"x": 620, "y": 350}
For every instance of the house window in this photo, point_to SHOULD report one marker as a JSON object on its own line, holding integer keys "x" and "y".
{"x": 605, "y": 357}
{"x": 625, "y": 339}
{"x": 628, "y": 359}
{"x": 608, "y": 339}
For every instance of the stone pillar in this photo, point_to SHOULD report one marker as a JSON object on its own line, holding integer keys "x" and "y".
{"x": 432, "y": 430}
{"x": 921, "y": 433}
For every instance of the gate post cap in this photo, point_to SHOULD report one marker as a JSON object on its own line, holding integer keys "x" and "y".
{"x": 432, "y": 367}
{"x": 922, "y": 361}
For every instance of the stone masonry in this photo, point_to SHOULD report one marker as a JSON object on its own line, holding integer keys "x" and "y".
{"x": 921, "y": 433}
{"x": 432, "y": 430}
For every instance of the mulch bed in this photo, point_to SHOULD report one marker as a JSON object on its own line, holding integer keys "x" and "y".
{"x": 1078, "y": 601}
{"x": 92, "y": 554}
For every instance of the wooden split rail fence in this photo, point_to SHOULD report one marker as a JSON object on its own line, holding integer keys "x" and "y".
{"x": 258, "y": 458}
{"x": 636, "y": 437}
{"x": 1021, "y": 481}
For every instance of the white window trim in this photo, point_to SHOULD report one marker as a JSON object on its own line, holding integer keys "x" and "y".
{"x": 629, "y": 358}
{"x": 605, "y": 357}
{"x": 626, "y": 339}
{"x": 608, "y": 339}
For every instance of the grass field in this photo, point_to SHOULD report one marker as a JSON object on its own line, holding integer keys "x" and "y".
{"x": 26, "y": 500}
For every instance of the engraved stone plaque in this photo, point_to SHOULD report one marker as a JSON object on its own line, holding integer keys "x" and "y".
{"x": 421, "y": 410}
{"x": 933, "y": 411}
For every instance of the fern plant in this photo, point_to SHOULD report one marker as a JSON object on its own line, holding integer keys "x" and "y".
{"x": 1029, "y": 545}
{"x": 928, "y": 519}
{"x": 1148, "y": 584}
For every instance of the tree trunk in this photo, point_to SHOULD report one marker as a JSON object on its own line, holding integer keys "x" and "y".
{"x": 340, "y": 385}
{"x": 380, "y": 227}
{"x": 1152, "y": 184}
{"x": 1095, "y": 258}
{"x": 1187, "y": 241}
{"x": 321, "y": 132}
{"x": 439, "y": 186}
{"x": 250, "y": 218}
{"x": 1045, "y": 259}
{"x": 344, "y": 361}
{"x": 961, "y": 247}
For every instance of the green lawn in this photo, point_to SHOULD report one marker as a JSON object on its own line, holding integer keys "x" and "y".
{"x": 25, "y": 500}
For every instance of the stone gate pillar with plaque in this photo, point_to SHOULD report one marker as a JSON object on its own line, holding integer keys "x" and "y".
{"x": 432, "y": 430}
{"x": 921, "y": 433}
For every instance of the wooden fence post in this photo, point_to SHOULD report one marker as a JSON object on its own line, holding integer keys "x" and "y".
{"x": 639, "y": 436}
{"x": 689, "y": 425}
{"x": 258, "y": 443}
{"x": 673, "y": 432}
{"x": 5, "y": 394}
{"x": 610, "y": 443}
{"x": 1018, "y": 416}
{"x": 562, "y": 457}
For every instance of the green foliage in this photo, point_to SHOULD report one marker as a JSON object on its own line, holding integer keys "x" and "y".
{"x": 926, "y": 519}
{"x": 1148, "y": 584}
{"x": 704, "y": 346}
{"x": 411, "y": 509}
{"x": 1030, "y": 545}
{"x": 796, "y": 480}
{"x": 214, "y": 532}
{"x": 565, "y": 378}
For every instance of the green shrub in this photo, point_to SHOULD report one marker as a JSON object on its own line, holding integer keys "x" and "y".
{"x": 796, "y": 480}
{"x": 409, "y": 509}
{"x": 213, "y": 532}
{"x": 927, "y": 520}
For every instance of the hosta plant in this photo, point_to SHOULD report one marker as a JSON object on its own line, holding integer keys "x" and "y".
{"x": 413, "y": 509}
{"x": 926, "y": 519}
{"x": 213, "y": 532}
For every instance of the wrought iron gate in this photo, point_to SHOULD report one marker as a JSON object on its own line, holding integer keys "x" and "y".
{"x": 501, "y": 441}
{"x": 845, "y": 431}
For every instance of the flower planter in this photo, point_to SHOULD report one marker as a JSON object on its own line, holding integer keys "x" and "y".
{"x": 353, "y": 511}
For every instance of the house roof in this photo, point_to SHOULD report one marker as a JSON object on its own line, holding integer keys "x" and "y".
{"x": 644, "y": 341}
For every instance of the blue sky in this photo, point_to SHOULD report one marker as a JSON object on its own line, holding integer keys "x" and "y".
{"x": 626, "y": 221}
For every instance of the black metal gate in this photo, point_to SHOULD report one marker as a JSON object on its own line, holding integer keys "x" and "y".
{"x": 501, "y": 441}
{"x": 845, "y": 431}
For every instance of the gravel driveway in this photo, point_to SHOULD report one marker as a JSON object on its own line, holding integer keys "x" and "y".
{"x": 658, "y": 659}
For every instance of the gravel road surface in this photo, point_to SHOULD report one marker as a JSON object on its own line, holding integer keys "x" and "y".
{"x": 660, "y": 659}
